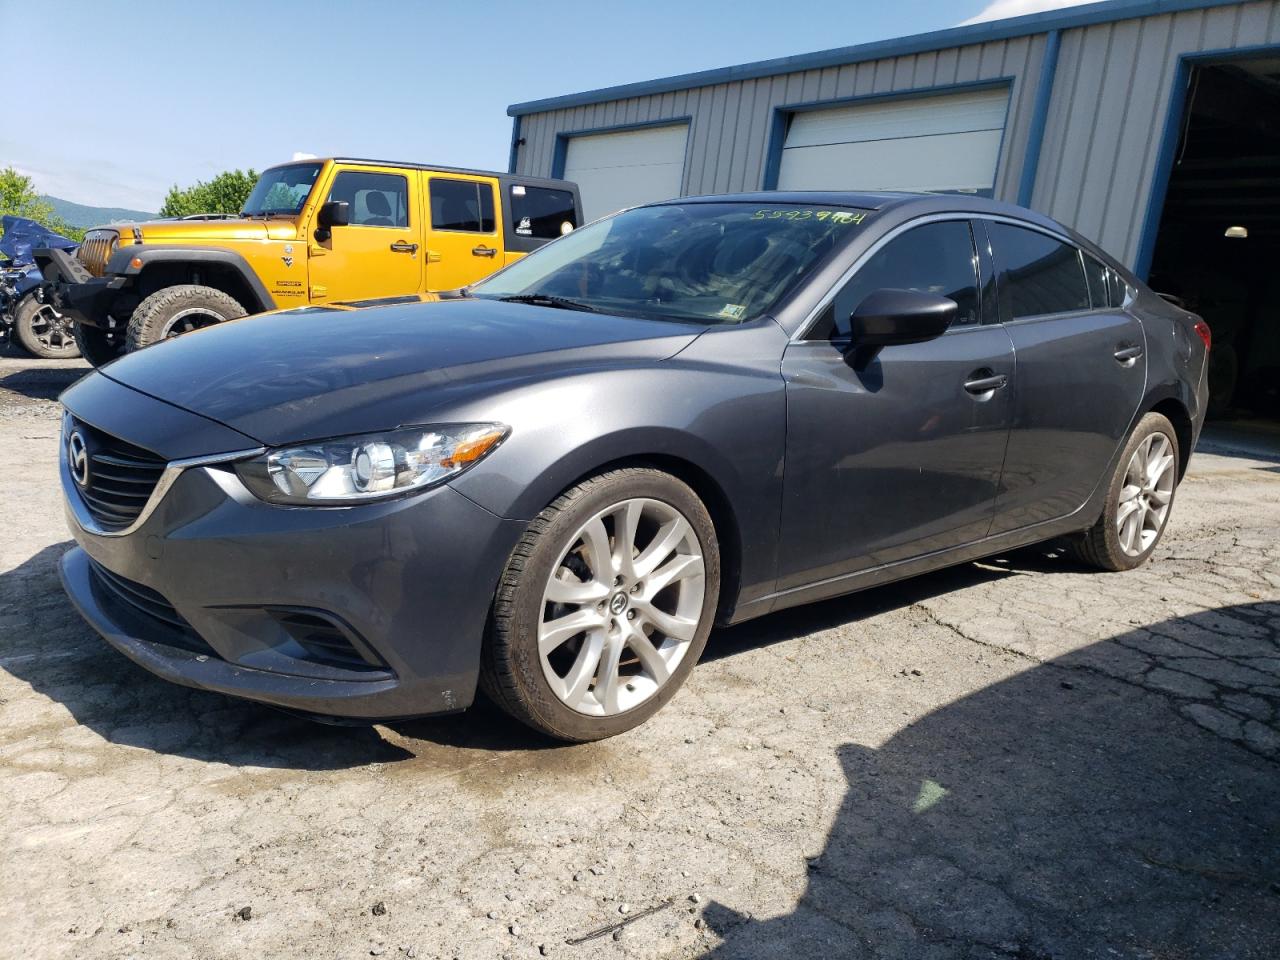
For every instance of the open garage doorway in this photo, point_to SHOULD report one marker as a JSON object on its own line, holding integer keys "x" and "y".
{"x": 1218, "y": 245}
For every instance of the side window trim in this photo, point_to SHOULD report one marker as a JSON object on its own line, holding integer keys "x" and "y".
{"x": 493, "y": 185}
{"x": 988, "y": 299}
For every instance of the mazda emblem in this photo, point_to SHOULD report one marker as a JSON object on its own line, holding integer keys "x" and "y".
{"x": 78, "y": 458}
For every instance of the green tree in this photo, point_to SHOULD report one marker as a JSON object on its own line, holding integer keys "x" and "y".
{"x": 18, "y": 198}
{"x": 225, "y": 193}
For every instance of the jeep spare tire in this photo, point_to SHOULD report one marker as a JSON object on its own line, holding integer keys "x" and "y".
{"x": 174, "y": 311}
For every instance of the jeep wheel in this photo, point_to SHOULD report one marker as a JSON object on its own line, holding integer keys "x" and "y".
{"x": 96, "y": 346}
{"x": 174, "y": 311}
{"x": 43, "y": 331}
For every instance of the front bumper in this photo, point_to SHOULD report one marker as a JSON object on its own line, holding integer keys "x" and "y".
{"x": 70, "y": 288}
{"x": 409, "y": 582}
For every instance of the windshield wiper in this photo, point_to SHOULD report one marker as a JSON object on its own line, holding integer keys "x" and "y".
{"x": 547, "y": 300}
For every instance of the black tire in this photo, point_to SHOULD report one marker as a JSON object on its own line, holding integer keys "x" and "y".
{"x": 511, "y": 671}
{"x": 97, "y": 346}
{"x": 177, "y": 310}
{"x": 43, "y": 332}
{"x": 1099, "y": 546}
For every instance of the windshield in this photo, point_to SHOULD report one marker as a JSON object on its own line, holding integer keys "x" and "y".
{"x": 707, "y": 262}
{"x": 281, "y": 190}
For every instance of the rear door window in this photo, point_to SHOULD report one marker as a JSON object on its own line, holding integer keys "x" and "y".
{"x": 1096, "y": 274}
{"x": 464, "y": 206}
{"x": 541, "y": 212}
{"x": 1117, "y": 290}
{"x": 1037, "y": 275}
{"x": 934, "y": 258}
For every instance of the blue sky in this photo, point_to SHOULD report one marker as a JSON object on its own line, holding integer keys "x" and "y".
{"x": 158, "y": 93}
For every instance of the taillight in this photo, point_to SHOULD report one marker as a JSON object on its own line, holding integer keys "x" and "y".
{"x": 1206, "y": 334}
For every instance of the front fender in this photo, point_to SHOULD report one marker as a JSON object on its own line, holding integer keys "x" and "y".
{"x": 131, "y": 261}
{"x": 719, "y": 406}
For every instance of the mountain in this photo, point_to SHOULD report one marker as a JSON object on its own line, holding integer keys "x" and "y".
{"x": 79, "y": 215}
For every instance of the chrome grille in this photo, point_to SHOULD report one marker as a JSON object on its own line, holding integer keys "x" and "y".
{"x": 121, "y": 477}
{"x": 96, "y": 249}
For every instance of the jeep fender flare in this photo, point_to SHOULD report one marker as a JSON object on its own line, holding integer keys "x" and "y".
{"x": 130, "y": 261}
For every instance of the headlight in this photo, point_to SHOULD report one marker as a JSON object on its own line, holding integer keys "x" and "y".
{"x": 369, "y": 467}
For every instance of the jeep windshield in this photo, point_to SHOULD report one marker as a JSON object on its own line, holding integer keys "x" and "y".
{"x": 281, "y": 191}
{"x": 706, "y": 262}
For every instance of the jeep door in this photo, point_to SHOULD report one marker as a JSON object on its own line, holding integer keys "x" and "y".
{"x": 464, "y": 239}
{"x": 1081, "y": 371}
{"x": 898, "y": 454}
{"x": 379, "y": 253}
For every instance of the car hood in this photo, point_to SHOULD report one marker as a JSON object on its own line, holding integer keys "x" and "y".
{"x": 318, "y": 372}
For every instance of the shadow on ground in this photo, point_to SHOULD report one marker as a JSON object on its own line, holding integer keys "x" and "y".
{"x": 1079, "y": 809}
{"x": 37, "y": 382}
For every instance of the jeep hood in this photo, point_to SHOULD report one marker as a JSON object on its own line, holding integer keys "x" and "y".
{"x": 206, "y": 231}
{"x": 318, "y": 372}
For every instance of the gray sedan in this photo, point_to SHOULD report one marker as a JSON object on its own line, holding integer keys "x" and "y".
{"x": 552, "y": 485}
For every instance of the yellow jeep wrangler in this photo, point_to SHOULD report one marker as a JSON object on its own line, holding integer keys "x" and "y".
{"x": 311, "y": 232}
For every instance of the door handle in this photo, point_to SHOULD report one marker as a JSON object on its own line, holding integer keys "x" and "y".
{"x": 401, "y": 246}
{"x": 984, "y": 382}
{"x": 1128, "y": 355}
{"x": 483, "y": 251}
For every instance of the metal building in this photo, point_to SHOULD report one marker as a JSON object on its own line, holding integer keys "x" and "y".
{"x": 1151, "y": 126}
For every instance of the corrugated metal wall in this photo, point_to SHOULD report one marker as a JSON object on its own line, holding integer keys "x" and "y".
{"x": 1110, "y": 99}
{"x": 730, "y": 127}
{"x": 1097, "y": 165}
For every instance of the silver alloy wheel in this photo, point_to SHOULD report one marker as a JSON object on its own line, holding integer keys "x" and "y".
{"x": 1145, "y": 495}
{"x": 52, "y": 329}
{"x": 621, "y": 607}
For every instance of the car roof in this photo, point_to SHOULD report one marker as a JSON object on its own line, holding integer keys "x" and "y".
{"x": 904, "y": 206}
{"x": 864, "y": 200}
{"x": 434, "y": 167}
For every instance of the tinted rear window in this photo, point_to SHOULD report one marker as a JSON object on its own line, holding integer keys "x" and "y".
{"x": 1096, "y": 274}
{"x": 1038, "y": 275}
{"x": 541, "y": 212}
{"x": 462, "y": 205}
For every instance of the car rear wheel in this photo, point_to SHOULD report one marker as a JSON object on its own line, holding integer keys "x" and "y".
{"x": 1139, "y": 500}
{"x": 43, "y": 331}
{"x": 176, "y": 310}
{"x": 604, "y": 607}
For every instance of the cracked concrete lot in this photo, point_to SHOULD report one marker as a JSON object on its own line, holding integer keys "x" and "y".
{"x": 1010, "y": 759}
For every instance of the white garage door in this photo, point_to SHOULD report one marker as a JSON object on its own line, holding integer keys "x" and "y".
{"x": 947, "y": 142}
{"x": 616, "y": 170}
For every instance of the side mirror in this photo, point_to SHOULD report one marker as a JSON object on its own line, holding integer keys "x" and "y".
{"x": 335, "y": 213}
{"x": 888, "y": 317}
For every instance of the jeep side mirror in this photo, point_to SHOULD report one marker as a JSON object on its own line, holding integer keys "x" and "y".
{"x": 335, "y": 213}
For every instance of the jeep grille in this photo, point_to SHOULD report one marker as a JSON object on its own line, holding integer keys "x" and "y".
{"x": 96, "y": 250}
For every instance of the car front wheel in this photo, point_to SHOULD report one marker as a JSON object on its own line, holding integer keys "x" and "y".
{"x": 1139, "y": 499}
{"x": 604, "y": 607}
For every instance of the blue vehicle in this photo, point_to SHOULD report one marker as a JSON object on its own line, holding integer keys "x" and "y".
{"x": 24, "y": 315}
